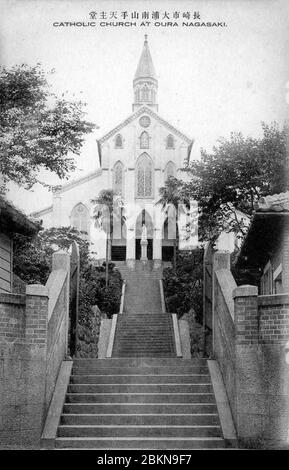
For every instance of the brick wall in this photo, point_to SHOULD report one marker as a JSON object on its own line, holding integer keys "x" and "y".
{"x": 12, "y": 320}
{"x": 273, "y": 319}
{"x": 250, "y": 348}
{"x": 285, "y": 257}
{"x": 33, "y": 342}
{"x": 22, "y": 358}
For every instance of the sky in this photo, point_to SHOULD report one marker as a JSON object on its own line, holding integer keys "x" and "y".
{"x": 212, "y": 81}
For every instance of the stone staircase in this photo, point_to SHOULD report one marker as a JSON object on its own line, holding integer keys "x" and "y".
{"x": 139, "y": 403}
{"x": 144, "y": 397}
{"x": 143, "y": 330}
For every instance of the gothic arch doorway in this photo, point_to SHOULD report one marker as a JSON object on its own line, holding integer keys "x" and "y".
{"x": 118, "y": 245}
{"x": 144, "y": 218}
{"x": 170, "y": 234}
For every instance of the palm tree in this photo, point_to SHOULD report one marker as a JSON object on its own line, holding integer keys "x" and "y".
{"x": 172, "y": 194}
{"x": 105, "y": 204}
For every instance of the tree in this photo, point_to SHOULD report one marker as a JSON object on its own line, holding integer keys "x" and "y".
{"x": 172, "y": 194}
{"x": 106, "y": 207}
{"x": 234, "y": 176}
{"x": 37, "y": 129}
{"x": 32, "y": 260}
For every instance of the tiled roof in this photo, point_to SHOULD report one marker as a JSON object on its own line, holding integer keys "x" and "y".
{"x": 15, "y": 220}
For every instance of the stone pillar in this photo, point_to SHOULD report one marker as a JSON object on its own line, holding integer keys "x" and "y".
{"x": 246, "y": 314}
{"x": 285, "y": 257}
{"x": 157, "y": 248}
{"x": 61, "y": 260}
{"x": 221, "y": 260}
{"x": 144, "y": 246}
{"x": 23, "y": 347}
{"x": 251, "y": 387}
{"x": 130, "y": 247}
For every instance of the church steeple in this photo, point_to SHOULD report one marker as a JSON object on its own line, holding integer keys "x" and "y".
{"x": 145, "y": 83}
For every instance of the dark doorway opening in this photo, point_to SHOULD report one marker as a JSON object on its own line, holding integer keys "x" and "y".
{"x": 118, "y": 253}
{"x": 149, "y": 248}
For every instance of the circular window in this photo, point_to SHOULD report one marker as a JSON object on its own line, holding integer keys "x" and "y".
{"x": 144, "y": 121}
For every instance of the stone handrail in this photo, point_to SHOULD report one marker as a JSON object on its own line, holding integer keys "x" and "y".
{"x": 122, "y": 297}
{"x": 111, "y": 336}
{"x": 174, "y": 320}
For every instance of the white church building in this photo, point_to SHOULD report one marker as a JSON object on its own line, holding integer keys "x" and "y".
{"x": 135, "y": 160}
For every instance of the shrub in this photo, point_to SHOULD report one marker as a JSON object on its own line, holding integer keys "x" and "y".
{"x": 183, "y": 285}
{"x": 33, "y": 261}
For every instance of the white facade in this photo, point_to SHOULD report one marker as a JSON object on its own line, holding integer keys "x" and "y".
{"x": 136, "y": 158}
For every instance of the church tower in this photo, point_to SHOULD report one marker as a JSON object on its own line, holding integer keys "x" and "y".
{"x": 145, "y": 83}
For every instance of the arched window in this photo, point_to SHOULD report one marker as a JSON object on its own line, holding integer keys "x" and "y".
{"x": 170, "y": 170}
{"x": 80, "y": 218}
{"x": 145, "y": 93}
{"x": 118, "y": 178}
{"x": 144, "y": 140}
{"x": 144, "y": 175}
{"x": 170, "y": 141}
{"x": 137, "y": 95}
{"x": 118, "y": 141}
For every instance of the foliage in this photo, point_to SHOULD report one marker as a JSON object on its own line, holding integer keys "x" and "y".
{"x": 229, "y": 180}
{"x": 107, "y": 206}
{"x": 93, "y": 291}
{"x": 32, "y": 263}
{"x": 183, "y": 285}
{"x": 196, "y": 334}
{"x": 33, "y": 258}
{"x": 173, "y": 193}
{"x": 37, "y": 129}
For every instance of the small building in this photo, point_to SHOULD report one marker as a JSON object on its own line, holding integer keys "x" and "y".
{"x": 11, "y": 221}
{"x": 265, "y": 249}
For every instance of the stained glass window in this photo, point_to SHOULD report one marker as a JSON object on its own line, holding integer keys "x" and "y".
{"x": 118, "y": 141}
{"x": 144, "y": 176}
{"x": 170, "y": 141}
{"x": 80, "y": 218}
{"x": 118, "y": 178}
{"x": 144, "y": 140}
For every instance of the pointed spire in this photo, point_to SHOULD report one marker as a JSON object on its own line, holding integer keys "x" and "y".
{"x": 145, "y": 68}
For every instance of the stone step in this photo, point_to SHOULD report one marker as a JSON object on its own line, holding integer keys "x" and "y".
{"x": 138, "y": 431}
{"x": 136, "y": 327}
{"x": 143, "y": 350}
{"x": 134, "y": 324}
{"x": 140, "y": 408}
{"x": 141, "y": 419}
{"x": 138, "y": 388}
{"x": 92, "y": 368}
{"x": 143, "y": 353}
{"x": 140, "y": 379}
{"x": 140, "y": 398}
{"x": 108, "y": 362}
{"x": 130, "y": 348}
{"x": 142, "y": 340}
{"x": 173, "y": 443}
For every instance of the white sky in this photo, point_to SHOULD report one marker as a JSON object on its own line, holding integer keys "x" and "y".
{"x": 211, "y": 80}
